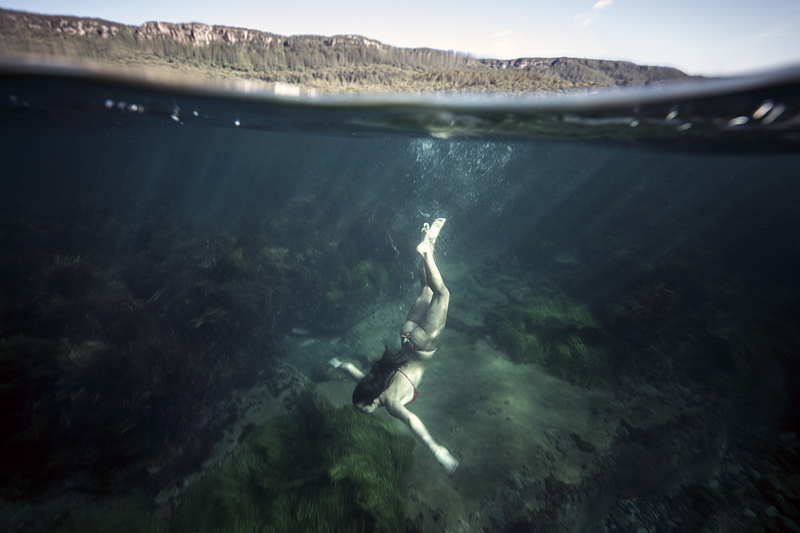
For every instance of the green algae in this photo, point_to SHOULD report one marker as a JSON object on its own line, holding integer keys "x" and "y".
{"x": 359, "y": 284}
{"x": 321, "y": 470}
{"x": 340, "y": 472}
{"x": 555, "y": 332}
{"x": 142, "y": 325}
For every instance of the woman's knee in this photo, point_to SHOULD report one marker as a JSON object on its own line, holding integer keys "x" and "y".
{"x": 407, "y": 327}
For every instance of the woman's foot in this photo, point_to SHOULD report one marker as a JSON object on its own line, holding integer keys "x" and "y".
{"x": 431, "y": 234}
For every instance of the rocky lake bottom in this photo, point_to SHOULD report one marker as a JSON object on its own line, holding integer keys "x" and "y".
{"x": 636, "y": 452}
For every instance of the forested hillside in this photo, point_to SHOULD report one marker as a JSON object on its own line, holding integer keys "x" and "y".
{"x": 338, "y": 63}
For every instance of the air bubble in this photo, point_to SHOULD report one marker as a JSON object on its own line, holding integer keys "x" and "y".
{"x": 773, "y": 115}
{"x": 763, "y": 109}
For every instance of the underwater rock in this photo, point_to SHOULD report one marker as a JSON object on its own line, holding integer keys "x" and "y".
{"x": 323, "y": 371}
{"x": 467, "y": 321}
{"x": 566, "y": 258}
{"x": 130, "y": 516}
{"x": 790, "y": 524}
{"x": 563, "y": 444}
{"x": 286, "y": 378}
{"x": 785, "y": 507}
{"x": 523, "y": 480}
{"x": 581, "y": 444}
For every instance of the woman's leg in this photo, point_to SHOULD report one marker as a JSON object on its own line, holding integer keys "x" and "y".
{"x": 433, "y": 321}
{"x": 420, "y": 307}
{"x": 435, "y": 317}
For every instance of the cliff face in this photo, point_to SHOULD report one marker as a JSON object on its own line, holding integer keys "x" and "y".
{"x": 199, "y": 34}
{"x": 193, "y": 33}
{"x": 202, "y": 34}
{"x": 59, "y": 24}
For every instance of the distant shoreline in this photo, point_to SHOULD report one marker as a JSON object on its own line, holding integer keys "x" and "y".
{"x": 337, "y": 64}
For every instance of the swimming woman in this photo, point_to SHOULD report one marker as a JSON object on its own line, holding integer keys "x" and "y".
{"x": 393, "y": 380}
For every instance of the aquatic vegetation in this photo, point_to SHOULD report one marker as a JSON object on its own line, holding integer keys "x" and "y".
{"x": 131, "y": 344}
{"x": 277, "y": 258}
{"x": 555, "y": 332}
{"x": 29, "y": 370}
{"x": 725, "y": 348}
{"x": 83, "y": 353}
{"x": 705, "y": 325}
{"x": 351, "y": 292}
{"x": 68, "y": 276}
{"x": 358, "y": 287}
{"x": 126, "y": 517}
{"x": 142, "y": 323}
{"x": 653, "y": 298}
{"x": 323, "y": 470}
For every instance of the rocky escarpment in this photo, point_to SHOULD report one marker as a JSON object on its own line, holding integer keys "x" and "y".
{"x": 23, "y": 31}
{"x": 58, "y": 25}
{"x": 199, "y": 34}
{"x": 202, "y": 34}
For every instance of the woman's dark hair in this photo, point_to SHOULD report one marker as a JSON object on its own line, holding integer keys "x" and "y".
{"x": 375, "y": 382}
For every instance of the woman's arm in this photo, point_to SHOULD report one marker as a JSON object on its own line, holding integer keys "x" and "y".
{"x": 348, "y": 368}
{"x": 399, "y": 411}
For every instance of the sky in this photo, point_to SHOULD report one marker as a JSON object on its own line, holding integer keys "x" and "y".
{"x": 703, "y": 37}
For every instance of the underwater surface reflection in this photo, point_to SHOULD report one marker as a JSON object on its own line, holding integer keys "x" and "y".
{"x": 620, "y": 348}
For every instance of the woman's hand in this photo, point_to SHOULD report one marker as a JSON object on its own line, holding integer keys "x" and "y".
{"x": 347, "y": 368}
{"x": 449, "y": 462}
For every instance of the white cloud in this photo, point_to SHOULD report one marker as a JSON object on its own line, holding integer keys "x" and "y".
{"x": 584, "y": 19}
{"x": 504, "y": 43}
